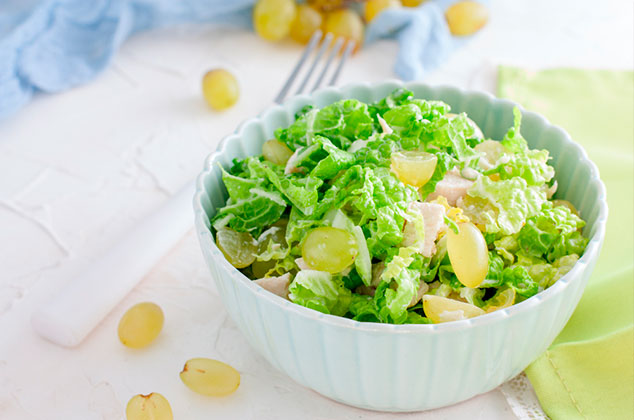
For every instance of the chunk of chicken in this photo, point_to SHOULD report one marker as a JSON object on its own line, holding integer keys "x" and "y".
{"x": 453, "y": 186}
{"x": 434, "y": 222}
{"x": 278, "y": 285}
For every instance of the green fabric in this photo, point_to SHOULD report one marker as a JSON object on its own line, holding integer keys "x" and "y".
{"x": 588, "y": 372}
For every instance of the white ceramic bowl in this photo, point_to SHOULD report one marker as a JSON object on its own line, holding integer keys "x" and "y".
{"x": 403, "y": 367}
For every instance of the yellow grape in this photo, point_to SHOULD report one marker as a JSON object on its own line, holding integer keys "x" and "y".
{"x": 345, "y": 23}
{"x": 260, "y": 268}
{"x": 306, "y": 22}
{"x": 272, "y": 18}
{"x": 566, "y": 203}
{"x": 413, "y": 167}
{"x": 441, "y": 309}
{"x": 501, "y": 300}
{"x": 329, "y": 249}
{"x": 412, "y": 3}
{"x": 327, "y": 5}
{"x": 468, "y": 254}
{"x": 220, "y": 89}
{"x": 210, "y": 377}
{"x": 374, "y": 7}
{"x": 277, "y": 152}
{"x": 140, "y": 325}
{"x": 466, "y": 17}
{"x": 153, "y": 406}
{"x": 239, "y": 248}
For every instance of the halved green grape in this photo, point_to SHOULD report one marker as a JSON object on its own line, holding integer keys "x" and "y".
{"x": 140, "y": 325}
{"x": 275, "y": 235}
{"x": 374, "y": 7}
{"x": 441, "y": 309}
{"x": 220, "y": 89}
{"x": 272, "y": 18}
{"x": 345, "y": 23}
{"x": 239, "y": 248}
{"x": 260, "y": 268}
{"x": 466, "y": 17}
{"x": 210, "y": 377}
{"x": 329, "y": 249}
{"x": 468, "y": 254}
{"x": 153, "y": 406}
{"x": 277, "y": 152}
{"x": 413, "y": 167}
{"x": 306, "y": 22}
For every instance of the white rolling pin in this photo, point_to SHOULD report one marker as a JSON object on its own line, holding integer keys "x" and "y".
{"x": 68, "y": 317}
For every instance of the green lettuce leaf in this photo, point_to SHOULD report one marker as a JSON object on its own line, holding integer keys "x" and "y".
{"x": 518, "y": 278}
{"x": 392, "y": 302}
{"x": 503, "y": 206}
{"x": 445, "y": 163}
{"x": 363, "y": 308}
{"x": 494, "y": 276}
{"x": 320, "y": 291}
{"x": 513, "y": 140}
{"x": 552, "y": 234}
{"x": 341, "y": 122}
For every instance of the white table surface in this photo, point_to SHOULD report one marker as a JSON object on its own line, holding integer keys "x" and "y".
{"x": 78, "y": 169}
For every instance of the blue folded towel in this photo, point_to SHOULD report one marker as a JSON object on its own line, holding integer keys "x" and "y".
{"x": 59, "y": 44}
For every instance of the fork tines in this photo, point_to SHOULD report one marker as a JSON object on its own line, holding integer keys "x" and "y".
{"x": 340, "y": 48}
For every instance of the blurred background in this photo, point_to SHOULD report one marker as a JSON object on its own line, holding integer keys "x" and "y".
{"x": 107, "y": 108}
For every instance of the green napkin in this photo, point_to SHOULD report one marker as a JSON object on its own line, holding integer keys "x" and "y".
{"x": 588, "y": 372}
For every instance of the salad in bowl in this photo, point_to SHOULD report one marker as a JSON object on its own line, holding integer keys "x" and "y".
{"x": 397, "y": 211}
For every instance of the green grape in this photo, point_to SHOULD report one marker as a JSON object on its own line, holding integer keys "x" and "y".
{"x": 412, "y": 3}
{"x": 140, "y": 325}
{"x": 306, "y": 22}
{"x": 329, "y": 249}
{"x": 277, "y": 152}
{"x": 239, "y": 248}
{"x": 374, "y": 7}
{"x": 441, "y": 309}
{"x": 468, "y": 254}
{"x": 220, "y": 89}
{"x": 413, "y": 167}
{"x": 327, "y": 5}
{"x": 275, "y": 234}
{"x": 153, "y": 406}
{"x": 260, "y": 268}
{"x": 210, "y": 377}
{"x": 272, "y": 18}
{"x": 345, "y": 23}
{"x": 466, "y": 17}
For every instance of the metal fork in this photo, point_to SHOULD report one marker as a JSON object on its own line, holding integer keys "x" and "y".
{"x": 338, "y": 49}
{"x": 67, "y": 318}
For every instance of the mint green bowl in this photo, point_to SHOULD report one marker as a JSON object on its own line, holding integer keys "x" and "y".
{"x": 403, "y": 367}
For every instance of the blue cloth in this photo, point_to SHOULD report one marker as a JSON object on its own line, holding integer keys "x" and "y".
{"x": 59, "y": 44}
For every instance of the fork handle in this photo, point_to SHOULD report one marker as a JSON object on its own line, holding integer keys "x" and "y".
{"x": 69, "y": 316}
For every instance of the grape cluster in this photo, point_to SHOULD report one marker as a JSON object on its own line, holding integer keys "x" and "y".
{"x": 275, "y": 19}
